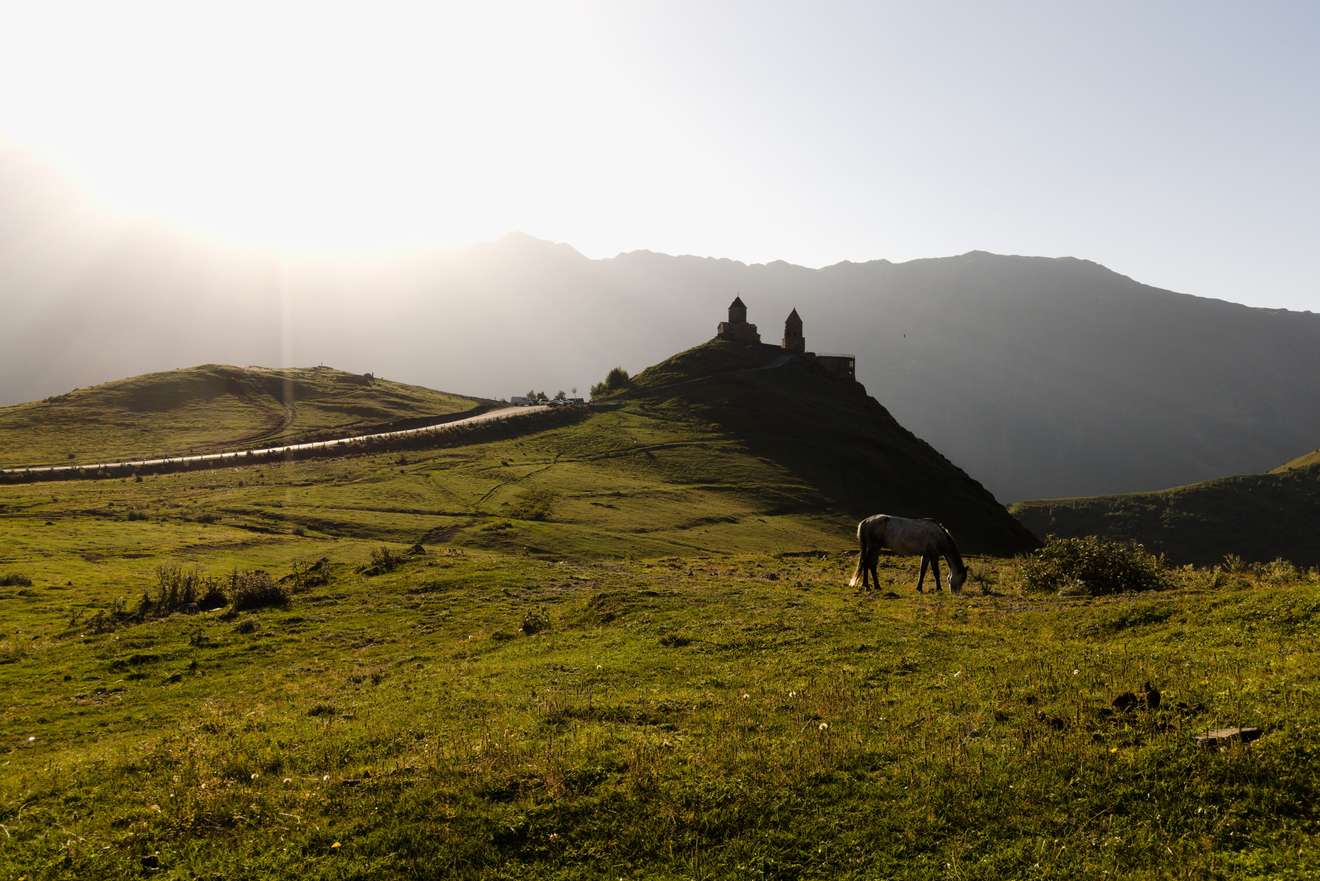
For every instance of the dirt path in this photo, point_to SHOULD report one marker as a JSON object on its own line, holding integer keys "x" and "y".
{"x": 489, "y": 416}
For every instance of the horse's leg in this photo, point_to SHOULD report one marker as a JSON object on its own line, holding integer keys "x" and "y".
{"x": 935, "y": 563}
{"x": 875, "y": 570}
{"x": 921, "y": 579}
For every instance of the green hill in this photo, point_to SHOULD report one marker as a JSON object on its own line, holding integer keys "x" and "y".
{"x": 830, "y": 436}
{"x": 1259, "y": 517}
{"x": 205, "y": 409}
{"x": 721, "y": 447}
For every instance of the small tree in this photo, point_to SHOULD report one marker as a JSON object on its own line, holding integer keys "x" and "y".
{"x": 615, "y": 380}
{"x": 560, "y": 396}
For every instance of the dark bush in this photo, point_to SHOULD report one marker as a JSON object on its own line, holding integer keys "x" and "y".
{"x": 615, "y": 380}
{"x": 107, "y": 619}
{"x": 255, "y": 589}
{"x": 308, "y": 575}
{"x": 383, "y": 560}
{"x": 213, "y": 597}
{"x": 176, "y": 590}
{"x": 14, "y": 579}
{"x": 535, "y": 621}
{"x": 1091, "y": 566}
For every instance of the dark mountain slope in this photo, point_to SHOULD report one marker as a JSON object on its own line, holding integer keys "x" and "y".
{"x": 830, "y": 435}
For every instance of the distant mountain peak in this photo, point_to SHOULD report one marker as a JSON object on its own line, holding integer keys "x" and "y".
{"x": 523, "y": 244}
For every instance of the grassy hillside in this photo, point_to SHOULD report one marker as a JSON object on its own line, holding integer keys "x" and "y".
{"x": 829, "y": 435}
{"x": 1306, "y": 460}
{"x": 205, "y": 409}
{"x": 626, "y": 651}
{"x": 1258, "y": 517}
{"x": 492, "y": 714}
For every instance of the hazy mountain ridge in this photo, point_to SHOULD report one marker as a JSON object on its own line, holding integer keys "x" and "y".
{"x": 1041, "y": 376}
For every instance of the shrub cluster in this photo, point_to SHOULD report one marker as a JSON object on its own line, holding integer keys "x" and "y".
{"x": 15, "y": 579}
{"x": 255, "y": 589}
{"x": 305, "y": 576}
{"x": 385, "y": 560}
{"x": 1091, "y": 566}
{"x": 535, "y": 621}
{"x": 188, "y": 591}
{"x": 615, "y": 380}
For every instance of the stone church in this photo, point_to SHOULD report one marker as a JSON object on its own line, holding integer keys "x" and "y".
{"x": 738, "y": 330}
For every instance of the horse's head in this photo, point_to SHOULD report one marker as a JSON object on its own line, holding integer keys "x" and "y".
{"x": 956, "y": 580}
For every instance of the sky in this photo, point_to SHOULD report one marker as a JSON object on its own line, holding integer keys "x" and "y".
{"x": 1178, "y": 143}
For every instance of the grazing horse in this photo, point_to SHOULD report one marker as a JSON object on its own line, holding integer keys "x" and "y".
{"x": 906, "y": 536}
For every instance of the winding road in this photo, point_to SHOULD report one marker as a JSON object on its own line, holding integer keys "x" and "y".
{"x": 503, "y": 413}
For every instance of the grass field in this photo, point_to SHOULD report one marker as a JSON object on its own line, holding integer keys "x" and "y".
{"x": 627, "y": 651}
{"x": 207, "y": 409}
{"x": 699, "y": 716}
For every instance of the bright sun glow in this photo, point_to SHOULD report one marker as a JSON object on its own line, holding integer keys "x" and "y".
{"x": 308, "y": 126}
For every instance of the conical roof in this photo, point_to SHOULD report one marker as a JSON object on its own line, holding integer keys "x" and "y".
{"x": 737, "y": 301}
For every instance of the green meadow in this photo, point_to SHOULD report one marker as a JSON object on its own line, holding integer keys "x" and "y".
{"x": 624, "y": 649}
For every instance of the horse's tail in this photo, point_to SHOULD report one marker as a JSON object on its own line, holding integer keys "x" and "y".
{"x": 863, "y": 546}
